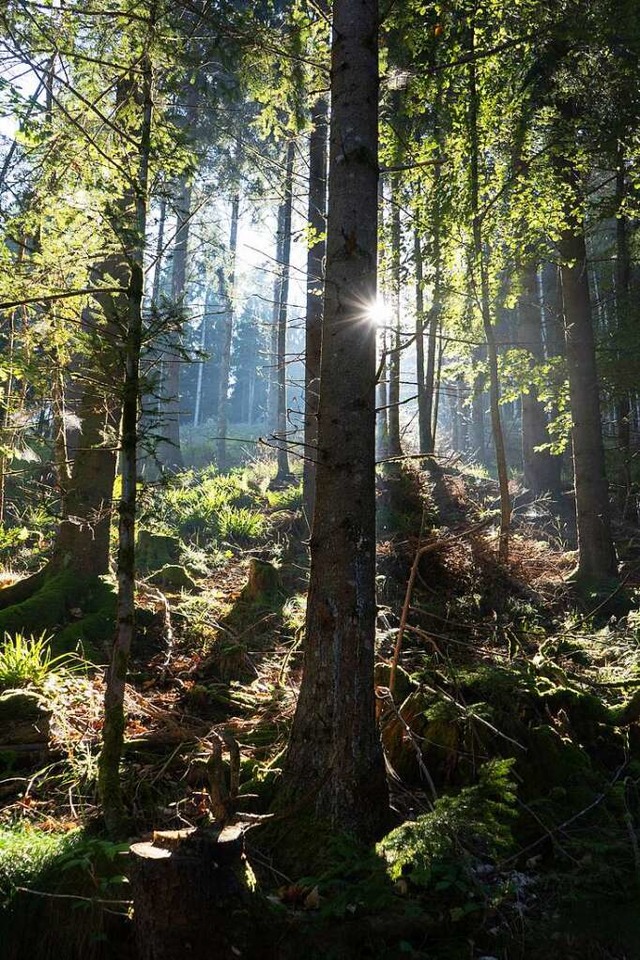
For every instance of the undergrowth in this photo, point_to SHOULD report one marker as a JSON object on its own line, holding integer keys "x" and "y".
{"x": 512, "y": 743}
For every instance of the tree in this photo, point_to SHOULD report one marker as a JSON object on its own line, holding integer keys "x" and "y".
{"x": 596, "y": 553}
{"x": 281, "y": 308}
{"x": 315, "y": 278}
{"x": 541, "y": 468}
{"x": 133, "y": 211}
{"x": 334, "y": 762}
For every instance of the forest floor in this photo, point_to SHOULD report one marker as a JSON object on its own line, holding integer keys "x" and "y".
{"x": 511, "y": 739}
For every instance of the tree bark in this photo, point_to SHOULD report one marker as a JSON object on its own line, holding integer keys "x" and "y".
{"x": 334, "y": 763}
{"x": 317, "y": 217}
{"x": 227, "y": 286}
{"x": 284, "y": 473}
{"x": 596, "y": 554}
{"x": 425, "y": 402}
{"x": 169, "y": 453}
{"x": 541, "y": 468}
{"x": 134, "y": 207}
{"x": 480, "y": 264}
{"x": 395, "y": 447}
{"x": 626, "y": 499}
{"x": 192, "y": 899}
{"x": 273, "y": 395}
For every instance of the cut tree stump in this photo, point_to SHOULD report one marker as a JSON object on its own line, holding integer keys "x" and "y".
{"x": 192, "y": 897}
{"x": 264, "y": 581}
{"x": 24, "y": 719}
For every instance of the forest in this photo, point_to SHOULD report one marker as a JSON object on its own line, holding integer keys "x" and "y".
{"x": 319, "y": 479}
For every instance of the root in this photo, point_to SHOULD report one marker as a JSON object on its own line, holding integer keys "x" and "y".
{"x": 23, "y": 589}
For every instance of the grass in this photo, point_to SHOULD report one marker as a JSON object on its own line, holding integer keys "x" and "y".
{"x": 241, "y": 523}
{"x": 26, "y": 661}
{"x": 26, "y": 852}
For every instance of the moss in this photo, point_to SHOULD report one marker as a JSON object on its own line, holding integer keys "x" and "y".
{"x": 585, "y": 712}
{"x": 155, "y": 550}
{"x": 404, "y": 683}
{"x": 174, "y": 577}
{"x": 62, "y": 595}
{"x": 555, "y": 769}
{"x": 47, "y": 608}
{"x": 68, "y": 865}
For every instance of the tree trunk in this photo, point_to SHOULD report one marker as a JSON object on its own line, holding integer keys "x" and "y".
{"x": 134, "y": 207}
{"x": 541, "y": 469}
{"x": 492, "y": 353}
{"x": 425, "y": 401}
{"x": 395, "y": 447}
{"x": 151, "y": 361}
{"x": 428, "y": 428}
{"x": 227, "y": 292}
{"x": 169, "y": 453}
{"x": 628, "y": 506}
{"x": 596, "y": 554}
{"x": 192, "y": 898}
{"x": 273, "y": 395}
{"x": 334, "y": 763}
{"x": 284, "y": 473}
{"x": 317, "y": 217}
{"x": 382, "y": 402}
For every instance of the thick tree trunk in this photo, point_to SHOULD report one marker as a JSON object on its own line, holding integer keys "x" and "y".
{"x": 334, "y": 764}
{"x": 596, "y": 555}
{"x": 227, "y": 292}
{"x": 317, "y": 217}
{"x": 541, "y": 469}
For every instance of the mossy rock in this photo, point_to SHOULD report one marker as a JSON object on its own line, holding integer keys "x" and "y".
{"x": 174, "y": 578}
{"x": 24, "y": 719}
{"x": 156, "y": 550}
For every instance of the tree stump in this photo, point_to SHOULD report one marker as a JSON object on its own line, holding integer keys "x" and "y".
{"x": 264, "y": 581}
{"x": 24, "y": 719}
{"x": 192, "y": 897}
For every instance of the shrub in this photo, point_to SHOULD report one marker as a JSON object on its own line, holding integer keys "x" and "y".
{"x": 443, "y": 850}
